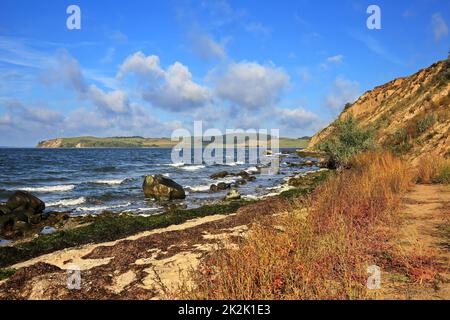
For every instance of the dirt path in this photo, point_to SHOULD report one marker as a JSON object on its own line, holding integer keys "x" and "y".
{"x": 137, "y": 267}
{"x": 425, "y": 232}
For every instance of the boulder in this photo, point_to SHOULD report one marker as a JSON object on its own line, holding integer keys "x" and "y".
{"x": 233, "y": 195}
{"x": 21, "y": 209}
{"x": 22, "y": 201}
{"x": 219, "y": 175}
{"x": 4, "y": 209}
{"x": 219, "y": 187}
{"x": 162, "y": 188}
{"x": 308, "y": 163}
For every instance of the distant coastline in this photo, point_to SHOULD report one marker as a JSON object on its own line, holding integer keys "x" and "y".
{"x": 141, "y": 142}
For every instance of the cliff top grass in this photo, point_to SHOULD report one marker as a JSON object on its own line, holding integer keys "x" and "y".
{"x": 139, "y": 142}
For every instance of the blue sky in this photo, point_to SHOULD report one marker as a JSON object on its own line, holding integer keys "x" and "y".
{"x": 149, "y": 67}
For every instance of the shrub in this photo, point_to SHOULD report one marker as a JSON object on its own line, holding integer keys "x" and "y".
{"x": 347, "y": 140}
{"x": 424, "y": 123}
{"x": 433, "y": 169}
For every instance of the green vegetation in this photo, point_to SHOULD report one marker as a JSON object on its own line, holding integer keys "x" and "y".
{"x": 443, "y": 77}
{"x": 347, "y": 140}
{"x": 140, "y": 142}
{"x": 307, "y": 185}
{"x": 402, "y": 141}
{"x": 108, "y": 227}
{"x": 6, "y": 273}
{"x": 113, "y": 142}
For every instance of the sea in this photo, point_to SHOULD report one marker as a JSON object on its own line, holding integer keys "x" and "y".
{"x": 90, "y": 181}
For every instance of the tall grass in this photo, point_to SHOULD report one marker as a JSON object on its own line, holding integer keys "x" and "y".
{"x": 320, "y": 251}
{"x": 433, "y": 169}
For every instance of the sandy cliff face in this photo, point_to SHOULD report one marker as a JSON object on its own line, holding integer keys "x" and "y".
{"x": 410, "y": 115}
{"x": 54, "y": 143}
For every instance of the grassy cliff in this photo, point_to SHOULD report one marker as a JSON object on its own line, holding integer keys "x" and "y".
{"x": 410, "y": 116}
{"x": 140, "y": 142}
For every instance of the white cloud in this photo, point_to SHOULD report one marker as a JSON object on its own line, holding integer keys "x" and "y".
{"x": 298, "y": 118}
{"x": 114, "y": 101}
{"x": 439, "y": 26}
{"x": 335, "y": 59}
{"x": 172, "y": 89}
{"x": 141, "y": 65}
{"x": 251, "y": 85}
{"x": 206, "y": 47}
{"x": 342, "y": 92}
{"x": 177, "y": 92}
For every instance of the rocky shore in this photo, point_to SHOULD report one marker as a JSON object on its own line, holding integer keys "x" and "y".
{"x": 27, "y": 230}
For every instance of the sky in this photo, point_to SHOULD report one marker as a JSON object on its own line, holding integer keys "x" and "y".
{"x": 148, "y": 67}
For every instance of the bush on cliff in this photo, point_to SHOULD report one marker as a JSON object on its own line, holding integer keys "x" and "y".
{"x": 347, "y": 140}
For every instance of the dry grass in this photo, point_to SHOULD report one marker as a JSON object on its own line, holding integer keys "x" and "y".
{"x": 433, "y": 169}
{"x": 317, "y": 251}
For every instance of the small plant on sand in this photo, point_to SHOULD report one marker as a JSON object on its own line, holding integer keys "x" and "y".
{"x": 6, "y": 273}
{"x": 347, "y": 140}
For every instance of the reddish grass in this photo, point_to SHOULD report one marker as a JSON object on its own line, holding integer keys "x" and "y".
{"x": 433, "y": 169}
{"x": 320, "y": 251}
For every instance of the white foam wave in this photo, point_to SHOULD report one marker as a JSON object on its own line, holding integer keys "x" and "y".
{"x": 102, "y": 208}
{"x": 67, "y": 202}
{"x": 200, "y": 188}
{"x": 61, "y": 188}
{"x": 252, "y": 170}
{"x": 110, "y": 181}
{"x": 233, "y": 164}
{"x": 192, "y": 168}
{"x": 176, "y": 164}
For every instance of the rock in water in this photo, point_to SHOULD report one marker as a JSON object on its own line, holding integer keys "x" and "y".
{"x": 219, "y": 175}
{"x": 162, "y": 188}
{"x": 21, "y": 210}
{"x": 233, "y": 195}
{"x": 22, "y": 201}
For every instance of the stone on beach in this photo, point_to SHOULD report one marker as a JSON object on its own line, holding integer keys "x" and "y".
{"x": 20, "y": 211}
{"x": 162, "y": 188}
{"x": 233, "y": 195}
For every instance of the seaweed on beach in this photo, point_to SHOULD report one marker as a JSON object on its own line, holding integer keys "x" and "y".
{"x": 108, "y": 227}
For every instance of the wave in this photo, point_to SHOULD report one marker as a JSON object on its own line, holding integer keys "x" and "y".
{"x": 103, "y": 208}
{"x": 141, "y": 210}
{"x": 110, "y": 181}
{"x": 233, "y": 164}
{"x": 200, "y": 188}
{"x": 67, "y": 202}
{"x": 252, "y": 170}
{"x": 176, "y": 164}
{"x": 192, "y": 168}
{"x": 61, "y": 188}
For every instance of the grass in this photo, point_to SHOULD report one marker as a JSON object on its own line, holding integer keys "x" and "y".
{"x": 433, "y": 169}
{"x": 317, "y": 251}
{"x": 6, "y": 273}
{"x": 107, "y": 227}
